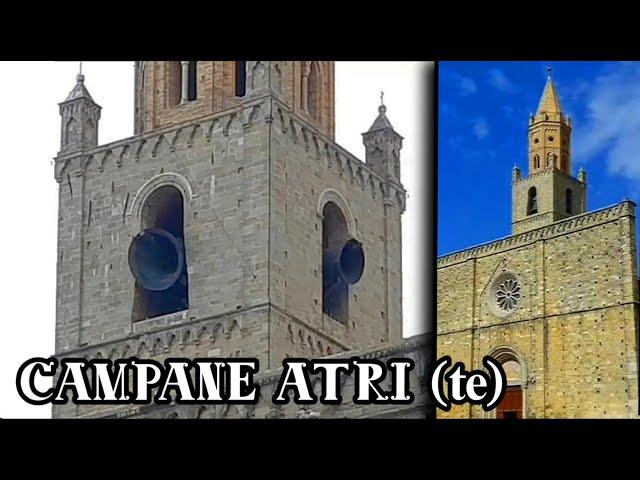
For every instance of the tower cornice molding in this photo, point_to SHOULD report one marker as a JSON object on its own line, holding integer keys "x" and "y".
{"x": 161, "y": 334}
{"x": 266, "y": 109}
{"x": 562, "y": 227}
{"x": 334, "y": 155}
{"x": 547, "y": 171}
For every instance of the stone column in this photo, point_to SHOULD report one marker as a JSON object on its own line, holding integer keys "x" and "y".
{"x": 184, "y": 82}
{"x": 305, "y": 87}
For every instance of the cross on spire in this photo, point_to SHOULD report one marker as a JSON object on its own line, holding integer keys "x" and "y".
{"x": 382, "y": 109}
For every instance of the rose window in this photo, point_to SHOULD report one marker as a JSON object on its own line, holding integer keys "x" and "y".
{"x": 505, "y": 295}
{"x": 508, "y": 295}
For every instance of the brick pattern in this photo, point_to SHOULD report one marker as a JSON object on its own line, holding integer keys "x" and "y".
{"x": 216, "y": 91}
{"x": 576, "y": 327}
{"x": 551, "y": 185}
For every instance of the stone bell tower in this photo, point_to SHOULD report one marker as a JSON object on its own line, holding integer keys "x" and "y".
{"x": 550, "y": 192}
{"x": 230, "y": 224}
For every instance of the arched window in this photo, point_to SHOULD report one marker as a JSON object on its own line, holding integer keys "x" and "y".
{"x": 192, "y": 81}
{"x": 312, "y": 92}
{"x": 71, "y": 130}
{"x": 568, "y": 195}
{"x": 342, "y": 262}
{"x": 157, "y": 256}
{"x": 175, "y": 83}
{"x": 532, "y": 201}
{"x": 240, "y": 78}
{"x": 536, "y": 161}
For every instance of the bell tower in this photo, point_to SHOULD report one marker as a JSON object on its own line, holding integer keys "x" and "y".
{"x": 230, "y": 224}
{"x": 549, "y": 134}
{"x": 550, "y": 192}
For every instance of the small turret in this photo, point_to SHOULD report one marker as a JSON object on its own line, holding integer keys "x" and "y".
{"x": 517, "y": 174}
{"x": 80, "y": 115}
{"x": 582, "y": 175}
{"x": 382, "y": 145}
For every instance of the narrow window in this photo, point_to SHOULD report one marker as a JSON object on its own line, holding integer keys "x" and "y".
{"x": 569, "y": 201}
{"x": 192, "y": 79}
{"x": 157, "y": 257}
{"x": 532, "y": 201}
{"x": 241, "y": 78}
{"x": 536, "y": 161}
{"x": 312, "y": 92}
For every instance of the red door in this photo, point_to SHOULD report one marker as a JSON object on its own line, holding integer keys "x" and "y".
{"x": 511, "y": 404}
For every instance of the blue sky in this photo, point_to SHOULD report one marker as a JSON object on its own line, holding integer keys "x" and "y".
{"x": 483, "y": 118}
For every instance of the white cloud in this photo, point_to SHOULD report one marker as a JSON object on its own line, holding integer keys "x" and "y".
{"x": 480, "y": 128}
{"x": 500, "y": 81}
{"x": 467, "y": 86}
{"x": 611, "y": 127}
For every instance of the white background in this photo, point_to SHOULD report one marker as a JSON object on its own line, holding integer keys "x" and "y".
{"x": 30, "y": 134}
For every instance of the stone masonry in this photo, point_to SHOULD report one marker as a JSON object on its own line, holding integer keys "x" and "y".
{"x": 255, "y": 173}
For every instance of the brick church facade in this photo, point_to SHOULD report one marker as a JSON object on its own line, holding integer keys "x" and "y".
{"x": 235, "y": 165}
{"x": 557, "y": 301}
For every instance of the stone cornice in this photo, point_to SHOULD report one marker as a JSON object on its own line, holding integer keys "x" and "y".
{"x": 128, "y": 149}
{"x": 542, "y": 217}
{"x": 153, "y": 335}
{"x": 266, "y": 109}
{"x": 547, "y": 171}
{"x": 164, "y": 336}
{"x": 562, "y": 227}
{"x": 336, "y": 157}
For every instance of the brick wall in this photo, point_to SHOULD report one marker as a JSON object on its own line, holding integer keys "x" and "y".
{"x": 575, "y": 330}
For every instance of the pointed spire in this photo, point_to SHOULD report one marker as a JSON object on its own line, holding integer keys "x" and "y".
{"x": 79, "y": 91}
{"x": 550, "y": 101}
{"x": 381, "y": 121}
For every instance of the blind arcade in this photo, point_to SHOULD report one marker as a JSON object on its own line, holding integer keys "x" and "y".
{"x": 210, "y": 381}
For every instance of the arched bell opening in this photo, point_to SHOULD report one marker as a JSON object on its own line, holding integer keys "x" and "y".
{"x": 157, "y": 256}
{"x": 342, "y": 263}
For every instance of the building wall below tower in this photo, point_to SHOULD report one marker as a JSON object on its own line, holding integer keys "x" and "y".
{"x": 575, "y": 331}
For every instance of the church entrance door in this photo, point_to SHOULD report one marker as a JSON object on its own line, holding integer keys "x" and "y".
{"x": 511, "y": 404}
